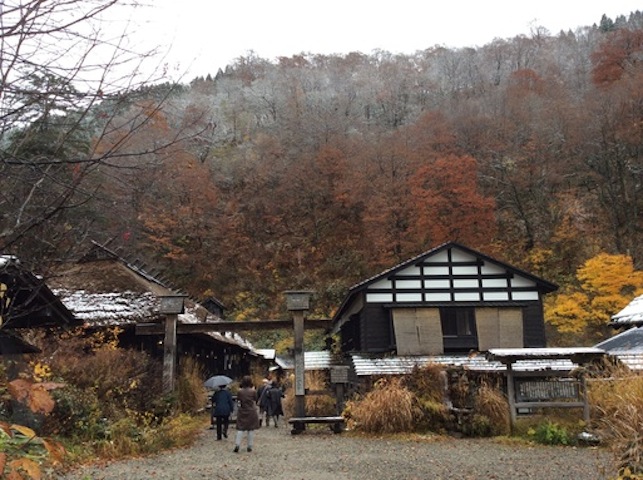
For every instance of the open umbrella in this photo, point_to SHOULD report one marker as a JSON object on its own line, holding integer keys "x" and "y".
{"x": 217, "y": 381}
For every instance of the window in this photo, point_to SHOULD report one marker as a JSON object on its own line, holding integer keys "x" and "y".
{"x": 459, "y": 329}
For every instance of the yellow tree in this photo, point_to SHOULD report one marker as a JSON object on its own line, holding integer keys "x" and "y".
{"x": 606, "y": 283}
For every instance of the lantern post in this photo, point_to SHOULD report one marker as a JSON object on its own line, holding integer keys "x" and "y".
{"x": 297, "y": 302}
{"x": 171, "y": 306}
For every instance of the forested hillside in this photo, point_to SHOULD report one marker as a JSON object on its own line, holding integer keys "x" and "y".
{"x": 318, "y": 171}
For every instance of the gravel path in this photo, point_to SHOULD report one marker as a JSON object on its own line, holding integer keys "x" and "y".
{"x": 321, "y": 455}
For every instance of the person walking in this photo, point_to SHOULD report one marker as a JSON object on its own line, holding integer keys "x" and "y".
{"x": 274, "y": 408}
{"x": 222, "y": 408}
{"x": 262, "y": 396}
{"x": 247, "y": 416}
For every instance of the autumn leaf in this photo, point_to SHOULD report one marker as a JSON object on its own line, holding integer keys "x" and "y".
{"x": 28, "y": 466}
{"x": 6, "y": 428}
{"x": 55, "y": 449}
{"x": 26, "y": 431}
{"x": 34, "y": 395}
{"x": 3, "y": 461}
{"x": 20, "y": 389}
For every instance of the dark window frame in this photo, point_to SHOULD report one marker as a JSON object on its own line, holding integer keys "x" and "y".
{"x": 459, "y": 332}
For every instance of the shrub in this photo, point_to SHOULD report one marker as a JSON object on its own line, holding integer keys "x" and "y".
{"x": 120, "y": 378}
{"x": 77, "y": 414}
{"x": 549, "y": 433}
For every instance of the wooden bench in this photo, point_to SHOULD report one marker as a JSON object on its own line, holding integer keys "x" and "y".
{"x": 336, "y": 423}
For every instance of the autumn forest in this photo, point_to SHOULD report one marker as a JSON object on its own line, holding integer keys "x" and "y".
{"x": 319, "y": 171}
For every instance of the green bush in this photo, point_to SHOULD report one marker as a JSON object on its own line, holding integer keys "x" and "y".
{"x": 478, "y": 426}
{"x": 550, "y": 433}
{"x": 77, "y": 414}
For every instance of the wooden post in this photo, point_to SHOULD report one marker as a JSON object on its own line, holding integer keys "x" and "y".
{"x": 511, "y": 396}
{"x": 583, "y": 393}
{"x": 300, "y": 387}
{"x": 169, "y": 353}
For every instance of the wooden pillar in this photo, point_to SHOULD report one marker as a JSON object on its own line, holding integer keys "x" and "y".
{"x": 511, "y": 396}
{"x": 169, "y": 353}
{"x": 582, "y": 383}
{"x": 300, "y": 367}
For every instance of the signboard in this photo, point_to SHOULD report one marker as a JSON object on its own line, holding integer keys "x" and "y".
{"x": 339, "y": 374}
{"x": 546, "y": 390}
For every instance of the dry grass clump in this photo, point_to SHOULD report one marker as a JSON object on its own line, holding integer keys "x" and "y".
{"x": 189, "y": 386}
{"x": 316, "y": 405}
{"x": 491, "y": 405}
{"x": 428, "y": 382}
{"x": 618, "y": 412}
{"x": 388, "y": 408}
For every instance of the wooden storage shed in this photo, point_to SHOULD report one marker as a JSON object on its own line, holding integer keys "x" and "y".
{"x": 449, "y": 300}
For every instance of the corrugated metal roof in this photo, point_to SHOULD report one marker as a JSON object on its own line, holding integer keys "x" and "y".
{"x": 320, "y": 360}
{"x": 371, "y": 365}
{"x": 634, "y": 361}
{"x": 632, "y": 314}
{"x": 628, "y": 342}
{"x": 542, "y": 353}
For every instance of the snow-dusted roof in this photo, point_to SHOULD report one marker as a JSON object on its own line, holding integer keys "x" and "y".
{"x": 542, "y": 353}
{"x": 368, "y": 365}
{"x": 632, "y": 314}
{"x": 627, "y": 346}
{"x": 318, "y": 360}
{"x": 130, "y": 308}
{"x": 267, "y": 353}
{"x": 634, "y": 361}
{"x": 629, "y": 341}
{"x": 110, "y": 309}
{"x": 8, "y": 260}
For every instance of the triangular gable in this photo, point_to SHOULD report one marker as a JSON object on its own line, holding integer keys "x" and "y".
{"x": 446, "y": 274}
{"x": 440, "y": 255}
{"x": 26, "y": 301}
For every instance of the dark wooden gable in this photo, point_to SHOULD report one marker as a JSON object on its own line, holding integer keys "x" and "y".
{"x": 454, "y": 273}
{"x": 449, "y": 276}
{"x": 27, "y": 302}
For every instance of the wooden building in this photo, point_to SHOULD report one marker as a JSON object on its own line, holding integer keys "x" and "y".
{"x": 26, "y": 302}
{"x": 449, "y": 300}
{"x": 104, "y": 290}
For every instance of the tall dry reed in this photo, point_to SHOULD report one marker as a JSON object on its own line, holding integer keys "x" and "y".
{"x": 617, "y": 404}
{"x": 388, "y": 408}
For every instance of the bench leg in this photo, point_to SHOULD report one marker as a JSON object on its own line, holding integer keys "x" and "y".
{"x": 297, "y": 428}
{"x": 337, "y": 427}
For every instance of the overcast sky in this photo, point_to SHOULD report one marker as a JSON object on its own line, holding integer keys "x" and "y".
{"x": 202, "y": 36}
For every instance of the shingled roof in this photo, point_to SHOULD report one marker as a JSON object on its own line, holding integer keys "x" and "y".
{"x": 104, "y": 289}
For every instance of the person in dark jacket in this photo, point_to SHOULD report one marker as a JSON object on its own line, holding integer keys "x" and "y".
{"x": 247, "y": 415}
{"x": 222, "y": 408}
{"x": 262, "y": 396}
{"x": 274, "y": 408}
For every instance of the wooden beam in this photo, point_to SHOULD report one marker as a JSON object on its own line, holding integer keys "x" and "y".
{"x": 261, "y": 325}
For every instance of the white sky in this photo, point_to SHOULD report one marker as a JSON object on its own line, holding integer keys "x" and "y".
{"x": 201, "y": 36}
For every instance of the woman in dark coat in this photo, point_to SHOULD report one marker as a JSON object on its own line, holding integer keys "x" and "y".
{"x": 222, "y": 408}
{"x": 247, "y": 415}
{"x": 273, "y": 403}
